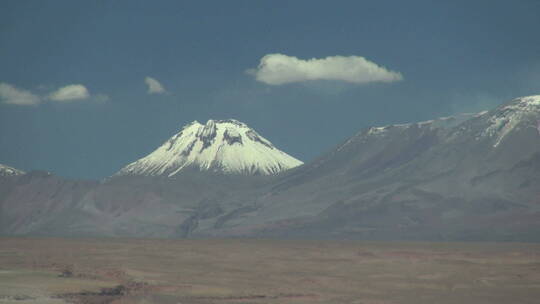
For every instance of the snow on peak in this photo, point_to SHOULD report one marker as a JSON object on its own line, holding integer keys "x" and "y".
{"x": 227, "y": 146}
{"x": 9, "y": 171}
{"x": 522, "y": 112}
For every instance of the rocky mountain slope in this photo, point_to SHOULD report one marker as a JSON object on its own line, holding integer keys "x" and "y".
{"x": 226, "y": 146}
{"x": 40, "y": 203}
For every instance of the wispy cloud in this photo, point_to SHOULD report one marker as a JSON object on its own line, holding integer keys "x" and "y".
{"x": 278, "y": 69}
{"x": 70, "y": 93}
{"x": 101, "y": 98}
{"x": 9, "y": 94}
{"x": 154, "y": 86}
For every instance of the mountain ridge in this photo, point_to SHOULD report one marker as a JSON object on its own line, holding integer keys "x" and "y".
{"x": 469, "y": 177}
{"x": 412, "y": 181}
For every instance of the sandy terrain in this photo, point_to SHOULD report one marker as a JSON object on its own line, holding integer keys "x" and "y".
{"x": 46, "y": 270}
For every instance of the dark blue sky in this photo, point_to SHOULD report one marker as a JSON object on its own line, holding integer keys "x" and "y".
{"x": 454, "y": 56}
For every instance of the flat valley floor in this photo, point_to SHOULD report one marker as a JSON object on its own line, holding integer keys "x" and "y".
{"x": 234, "y": 271}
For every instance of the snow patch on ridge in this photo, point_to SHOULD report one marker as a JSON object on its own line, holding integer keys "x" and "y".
{"x": 446, "y": 122}
{"x": 441, "y": 122}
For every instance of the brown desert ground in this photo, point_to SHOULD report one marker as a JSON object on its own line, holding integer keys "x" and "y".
{"x": 234, "y": 271}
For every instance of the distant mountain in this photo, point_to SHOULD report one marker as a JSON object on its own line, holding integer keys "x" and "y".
{"x": 226, "y": 146}
{"x": 9, "y": 171}
{"x": 464, "y": 177}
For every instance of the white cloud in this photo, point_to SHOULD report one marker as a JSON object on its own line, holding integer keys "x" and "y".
{"x": 277, "y": 69}
{"x": 12, "y": 95}
{"x": 69, "y": 93}
{"x": 154, "y": 87}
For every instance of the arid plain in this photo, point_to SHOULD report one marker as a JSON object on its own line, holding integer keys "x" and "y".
{"x": 51, "y": 270}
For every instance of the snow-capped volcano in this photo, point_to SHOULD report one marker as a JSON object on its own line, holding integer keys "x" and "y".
{"x": 226, "y": 146}
{"x": 9, "y": 171}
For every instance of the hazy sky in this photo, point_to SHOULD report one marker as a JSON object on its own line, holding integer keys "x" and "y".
{"x": 89, "y": 86}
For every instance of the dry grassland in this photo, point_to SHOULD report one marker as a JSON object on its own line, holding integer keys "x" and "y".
{"x": 47, "y": 270}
